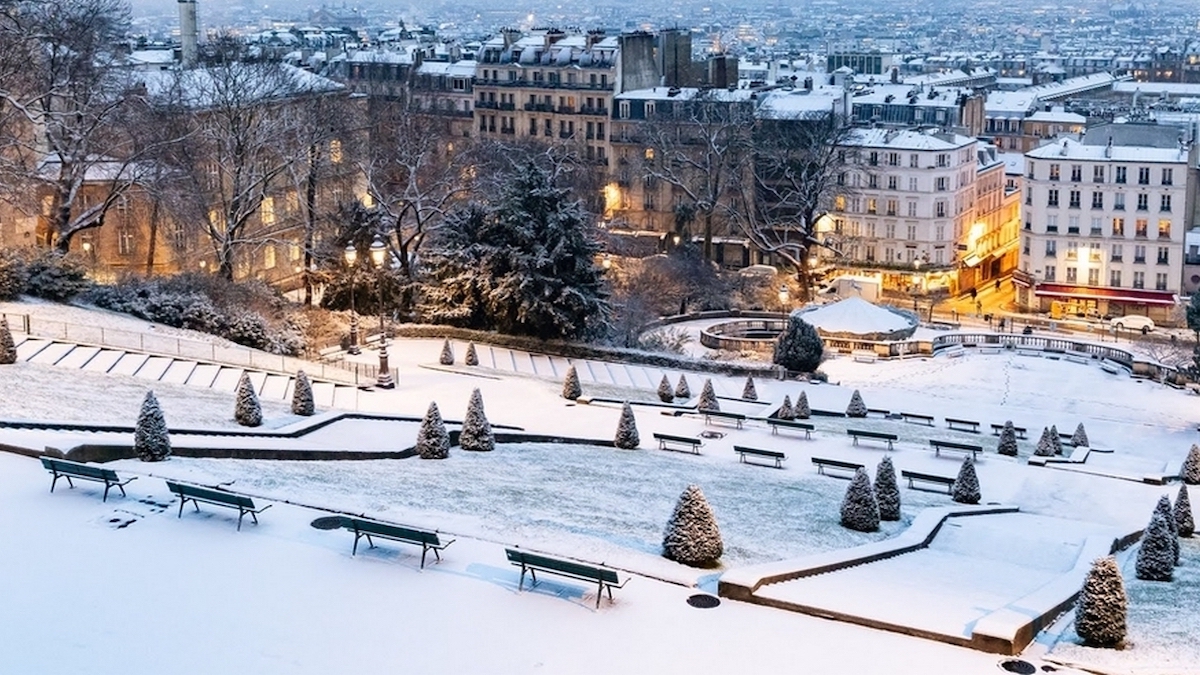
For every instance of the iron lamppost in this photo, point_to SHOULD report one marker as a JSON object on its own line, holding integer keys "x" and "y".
{"x": 351, "y": 258}
{"x": 378, "y": 258}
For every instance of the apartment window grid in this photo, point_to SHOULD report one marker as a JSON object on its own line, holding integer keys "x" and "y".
{"x": 1076, "y": 173}
{"x": 912, "y": 183}
{"x": 1097, "y": 229}
{"x": 1074, "y": 196}
{"x": 1052, "y": 197}
{"x": 1164, "y": 229}
{"x": 1050, "y": 273}
{"x": 912, "y": 232}
{"x": 939, "y": 209}
{"x": 1139, "y": 254}
{"x": 1144, "y": 175}
{"x": 1097, "y": 200}
{"x": 1072, "y": 275}
{"x": 1140, "y": 228}
{"x": 1072, "y": 250}
{"x": 1117, "y": 253}
{"x": 1094, "y": 254}
{"x": 912, "y": 209}
{"x": 1052, "y": 222}
{"x": 914, "y": 161}
{"x": 1114, "y": 278}
{"x": 1164, "y": 256}
{"x": 1118, "y": 227}
{"x": 1139, "y": 279}
{"x": 1051, "y": 248}
{"x": 1097, "y": 174}
{"x": 1119, "y": 201}
{"x": 889, "y": 231}
{"x": 1168, "y": 177}
{"x": 1160, "y": 281}
{"x": 893, "y": 206}
{"x": 1164, "y": 203}
{"x": 1120, "y": 177}
{"x": 1054, "y": 172}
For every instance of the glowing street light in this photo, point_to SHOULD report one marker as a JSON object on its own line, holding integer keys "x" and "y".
{"x": 378, "y": 257}
{"x": 351, "y": 255}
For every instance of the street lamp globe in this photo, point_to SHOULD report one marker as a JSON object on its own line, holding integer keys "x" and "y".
{"x": 378, "y": 256}
{"x": 784, "y": 294}
{"x": 378, "y": 252}
{"x": 351, "y": 255}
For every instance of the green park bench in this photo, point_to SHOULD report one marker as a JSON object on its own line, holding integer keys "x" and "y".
{"x": 62, "y": 468}
{"x": 197, "y": 493}
{"x": 428, "y": 541}
{"x": 533, "y": 563}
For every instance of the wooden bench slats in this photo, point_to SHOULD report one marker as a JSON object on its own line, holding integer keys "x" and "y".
{"x": 956, "y": 423}
{"x": 663, "y": 439}
{"x": 533, "y": 562}
{"x": 823, "y": 462}
{"x": 947, "y": 481}
{"x": 62, "y": 468}
{"x": 759, "y": 452}
{"x": 363, "y": 527}
{"x": 927, "y": 420}
{"x": 790, "y": 424}
{"x": 709, "y": 415}
{"x": 939, "y": 445}
{"x": 877, "y": 435}
{"x": 232, "y": 500}
{"x": 998, "y": 428}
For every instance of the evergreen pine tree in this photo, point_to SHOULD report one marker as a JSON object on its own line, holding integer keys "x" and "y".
{"x": 1156, "y": 558}
{"x": 786, "y": 412}
{"x": 1079, "y": 439}
{"x": 1008, "y": 440}
{"x": 247, "y": 411}
{"x": 856, "y": 408}
{"x": 151, "y": 439}
{"x": 302, "y": 396}
{"x": 1164, "y": 509}
{"x": 800, "y": 347}
{"x": 692, "y": 536}
{"x": 627, "y": 433}
{"x": 571, "y": 389}
{"x": 1045, "y": 447}
{"x": 749, "y": 393}
{"x": 447, "y": 356}
{"x": 966, "y": 486}
{"x": 433, "y": 442}
{"x": 1055, "y": 440}
{"x": 476, "y": 433}
{"x": 1191, "y": 465}
{"x": 8, "y": 349}
{"x": 665, "y": 393}
{"x": 708, "y": 397}
{"x": 860, "y": 510}
{"x": 1185, "y": 524}
{"x": 887, "y": 492}
{"x": 1100, "y": 611}
{"x": 682, "y": 390}
{"x": 472, "y": 359}
{"x": 803, "y": 412}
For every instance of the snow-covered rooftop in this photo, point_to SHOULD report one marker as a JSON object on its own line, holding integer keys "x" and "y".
{"x": 907, "y": 139}
{"x": 1069, "y": 148}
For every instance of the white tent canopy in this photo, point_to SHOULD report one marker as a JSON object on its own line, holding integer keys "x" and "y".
{"x": 855, "y": 316}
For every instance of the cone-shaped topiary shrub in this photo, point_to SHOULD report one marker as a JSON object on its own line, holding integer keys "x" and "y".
{"x": 1164, "y": 509}
{"x": 1191, "y": 466}
{"x": 471, "y": 359}
{"x": 1101, "y": 609}
{"x": 247, "y": 410}
{"x": 151, "y": 440}
{"x": 1045, "y": 446}
{"x": 1185, "y": 524}
{"x": 708, "y": 397}
{"x": 8, "y": 348}
{"x": 433, "y": 442}
{"x": 966, "y": 486}
{"x": 800, "y": 347}
{"x": 682, "y": 390}
{"x": 1079, "y": 439}
{"x": 302, "y": 396}
{"x": 665, "y": 393}
{"x": 856, "y": 408}
{"x": 447, "y": 356}
{"x": 1055, "y": 440}
{"x": 692, "y": 536}
{"x": 571, "y": 388}
{"x": 786, "y": 412}
{"x": 1008, "y": 440}
{"x": 887, "y": 492}
{"x": 860, "y": 510}
{"x": 627, "y": 433}
{"x": 749, "y": 393}
{"x": 803, "y": 412}
{"x": 476, "y": 434}
{"x": 1156, "y": 558}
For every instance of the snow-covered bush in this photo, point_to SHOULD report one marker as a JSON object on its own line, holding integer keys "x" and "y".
{"x": 151, "y": 440}
{"x": 800, "y": 347}
{"x": 472, "y": 359}
{"x": 1055, "y": 440}
{"x": 803, "y": 412}
{"x": 860, "y": 510}
{"x": 786, "y": 411}
{"x": 247, "y": 410}
{"x": 1102, "y": 607}
{"x": 627, "y": 433}
{"x": 708, "y": 397}
{"x": 749, "y": 393}
{"x": 571, "y": 389}
{"x": 1164, "y": 509}
{"x": 1156, "y": 558}
{"x": 302, "y": 396}
{"x": 8, "y": 348}
{"x": 672, "y": 340}
{"x": 966, "y": 486}
{"x": 887, "y": 492}
{"x": 476, "y": 434}
{"x": 1185, "y": 524}
{"x": 665, "y": 393}
{"x": 682, "y": 390}
{"x": 692, "y": 536}
{"x": 1008, "y": 440}
{"x": 1191, "y": 466}
{"x": 1079, "y": 439}
{"x": 446, "y": 358}
{"x": 1045, "y": 446}
{"x": 248, "y": 328}
{"x": 856, "y": 408}
{"x": 12, "y": 274}
{"x": 433, "y": 442}
{"x": 54, "y": 276}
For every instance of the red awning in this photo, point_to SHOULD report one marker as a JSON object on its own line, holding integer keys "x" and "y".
{"x": 1111, "y": 294}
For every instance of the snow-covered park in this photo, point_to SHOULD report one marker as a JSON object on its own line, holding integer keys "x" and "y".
{"x": 127, "y": 586}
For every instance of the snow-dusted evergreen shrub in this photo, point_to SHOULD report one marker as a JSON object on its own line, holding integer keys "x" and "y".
{"x": 1164, "y": 509}
{"x": 682, "y": 390}
{"x": 800, "y": 347}
{"x": 571, "y": 389}
{"x": 860, "y": 510}
{"x": 749, "y": 393}
{"x": 446, "y": 358}
{"x": 1055, "y": 440}
{"x": 856, "y": 408}
{"x": 708, "y": 397}
{"x": 1191, "y": 466}
{"x": 966, "y": 486}
{"x": 1185, "y": 524}
{"x": 1100, "y": 611}
{"x": 665, "y": 393}
{"x": 627, "y": 433}
{"x": 151, "y": 440}
{"x": 1079, "y": 439}
{"x": 887, "y": 492}
{"x": 8, "y": 349}
{"x": 1156, "y": 558}
{"x": 1008, "y": 440}
{"x": 803, "y": 412}
{"x": 302, "y": 396}
{"x": 786, "y": 411}
{"x": 1045, "y": 446}
{"x": 692, "y": 536}
{"x": 247, "y": 411}
{"x": 433, "y": 442}
{"x": 476, "y": 431}
{"x": 472, "y": 359}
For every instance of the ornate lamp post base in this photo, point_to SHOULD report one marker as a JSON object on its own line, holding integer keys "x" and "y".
{"x": 353, "y": 349}
{"x": 384, "y": 381}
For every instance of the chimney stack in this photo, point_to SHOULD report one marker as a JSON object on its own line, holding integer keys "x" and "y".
{"x": 188, "y": 33}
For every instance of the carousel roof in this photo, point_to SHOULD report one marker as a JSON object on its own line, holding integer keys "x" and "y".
{"x": 855, "y": 316}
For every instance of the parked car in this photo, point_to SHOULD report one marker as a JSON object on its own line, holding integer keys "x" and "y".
{"x": 1133, "y": 322}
